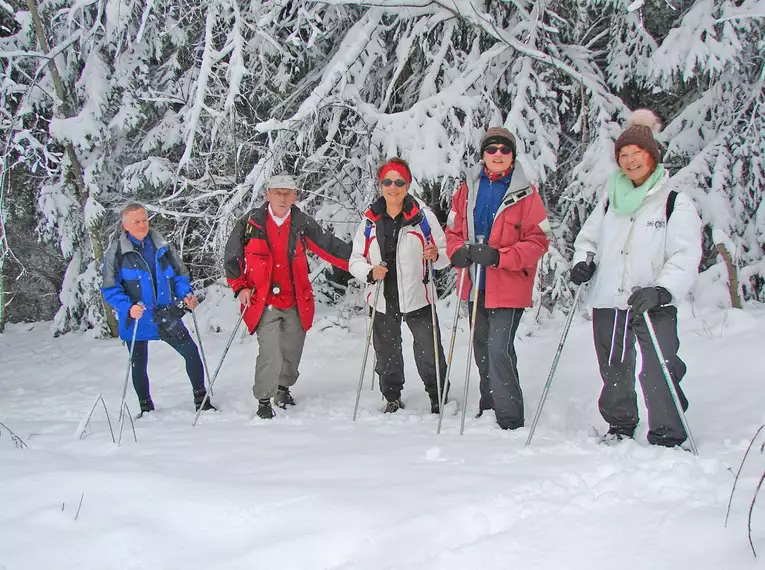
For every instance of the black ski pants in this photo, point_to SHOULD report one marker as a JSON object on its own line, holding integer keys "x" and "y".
{"x": 615, "y": 332}
{"x": 497, "y": 361}
{"x": 390, "y": 359}
{"x": 185, "y": 346}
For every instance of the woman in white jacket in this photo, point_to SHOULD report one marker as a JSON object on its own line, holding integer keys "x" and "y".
{"x": 647, "y": 245}
{"x": 393, "y": 245}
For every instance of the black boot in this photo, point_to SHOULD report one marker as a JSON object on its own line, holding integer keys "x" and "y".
{"x": 283, "y": 398}
{"x": 434, "y": 406}
{"x": 617, "y": 434}
{"x": 199, "y": 397}
{"x": 146, "y": 406}
{"x": 393, "y": 406}
{"x": 482, "y": 407}
{"x": 265, "y": 411}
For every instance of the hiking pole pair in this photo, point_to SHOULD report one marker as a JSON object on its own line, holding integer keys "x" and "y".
{"x": 220, "y": 364}
{"x": 378, "y": 287}
{"x": 566, "y": 327}
{"x": 450, "y": 356}
{"x": 476, "y": 289}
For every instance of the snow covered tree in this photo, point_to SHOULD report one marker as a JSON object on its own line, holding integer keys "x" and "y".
{"x": 190, "y": 106}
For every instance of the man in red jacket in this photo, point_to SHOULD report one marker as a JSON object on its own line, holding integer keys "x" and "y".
{"x": 497, "y": 201}
{"x": 267, "y": 267}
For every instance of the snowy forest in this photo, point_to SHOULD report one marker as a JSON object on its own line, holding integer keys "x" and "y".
{"x": 190, "y": 106}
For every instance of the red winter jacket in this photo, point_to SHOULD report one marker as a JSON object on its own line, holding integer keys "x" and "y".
{"x": 518, "y": 232}
{"x": 249, "y": 263}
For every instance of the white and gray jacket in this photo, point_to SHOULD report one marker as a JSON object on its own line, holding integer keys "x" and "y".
{"x": 642, "y": 249}
{"x": 413, "y": 290}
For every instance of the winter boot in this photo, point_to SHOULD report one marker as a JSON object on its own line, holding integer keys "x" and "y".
{"x": 393, "y": 406}
{"x": 283, "y": 398}
{"x": 482, "y": 408}
{"x": 146, "y": 406}
{"x": 434, "y": 407}
{"x": 265, "y": 411}
{"x": 199, "y": 397}
{"x": 616, "y": 434}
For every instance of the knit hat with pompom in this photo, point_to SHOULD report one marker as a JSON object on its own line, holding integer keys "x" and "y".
{"x": 641, "y": 127}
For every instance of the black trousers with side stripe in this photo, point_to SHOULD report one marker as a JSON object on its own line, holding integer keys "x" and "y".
{"x": 615, "y": 333}
{"x": 497, "y": 361}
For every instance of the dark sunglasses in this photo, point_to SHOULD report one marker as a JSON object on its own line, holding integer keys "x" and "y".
{"x": 388, "y": 182}
{"x": 502, "y": 148}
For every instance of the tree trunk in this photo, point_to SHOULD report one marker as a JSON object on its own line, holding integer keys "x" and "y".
{"x": 62, "y": 107}
{"x": 735, "y": 299}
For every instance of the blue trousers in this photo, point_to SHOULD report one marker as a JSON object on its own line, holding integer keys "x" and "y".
{"x": 185, "y": 347}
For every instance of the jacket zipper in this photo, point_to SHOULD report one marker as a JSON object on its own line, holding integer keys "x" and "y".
{"x": 153, "y": 286}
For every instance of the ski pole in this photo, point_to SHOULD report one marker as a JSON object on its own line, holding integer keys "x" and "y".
{"x": 201, "y": 348}
{"x": 441, "y": 392}
{"x": 220, "y": 364}
{"x": 566, "y": 327}
{"x": 372, "y": 376}
{"x": 378, "y": 287}
{"x": 129, "y": 366}
{"x": 476, "y": 287}
{"x": 450, "y": 356}
{"x": 374, "y": 367}
{"x": 670, "y": 383}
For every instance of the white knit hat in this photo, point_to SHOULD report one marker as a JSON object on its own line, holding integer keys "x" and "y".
{"x": 282, "y": 181}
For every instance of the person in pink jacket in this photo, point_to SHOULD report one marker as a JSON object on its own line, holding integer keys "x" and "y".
{"x": 497, "y": 201}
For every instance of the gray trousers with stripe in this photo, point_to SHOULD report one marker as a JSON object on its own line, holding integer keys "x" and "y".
{"x": 497, "y": 361}
{"x": 280, "y": 338}
{"x": 615, "y": 334}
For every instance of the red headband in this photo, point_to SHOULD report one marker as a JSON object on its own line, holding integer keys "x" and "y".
{"x": 397, "y": 167}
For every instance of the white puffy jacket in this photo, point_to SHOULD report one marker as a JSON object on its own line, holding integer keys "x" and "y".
{"x": 642, "y": 249}
{"x": 413, "y": 294}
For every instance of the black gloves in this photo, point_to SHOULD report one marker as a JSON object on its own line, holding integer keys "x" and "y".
{"x": 647, "y": 298}
{"x": 582, "y": 272}
{"x": 484, "y": 254}
{"x": 480, "y": 253}
{"x": 461, "y": 257}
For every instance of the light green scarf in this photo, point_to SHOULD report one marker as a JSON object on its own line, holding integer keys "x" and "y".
{"x": 625, "y": 198}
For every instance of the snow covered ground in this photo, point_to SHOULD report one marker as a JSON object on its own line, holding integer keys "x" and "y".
{"x": 313, "y": 490}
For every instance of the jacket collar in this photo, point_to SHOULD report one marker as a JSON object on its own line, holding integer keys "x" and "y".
{"x": 412, "y": 211}
{"x": 126, "y": 244}
{"x": 259, "y": 215}
{"x": 518, "y": 182}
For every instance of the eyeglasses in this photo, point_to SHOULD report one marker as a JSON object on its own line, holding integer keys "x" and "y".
{"x": 502, "y": 148}
{"x": 388, "y": 182}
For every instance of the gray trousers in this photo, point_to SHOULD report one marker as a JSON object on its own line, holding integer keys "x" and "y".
{"x": 280, "y": 338}
{"x": 615, "y": 347}
{"x": 390, "y": 359}
{"x": 497, "y": 361}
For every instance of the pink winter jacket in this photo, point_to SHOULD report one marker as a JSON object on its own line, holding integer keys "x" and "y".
{"x": 519, "y": 233}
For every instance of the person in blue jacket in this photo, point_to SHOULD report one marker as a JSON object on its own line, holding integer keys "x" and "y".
{"x": 143, "y": 280}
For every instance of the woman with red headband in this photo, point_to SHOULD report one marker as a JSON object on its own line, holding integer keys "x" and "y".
{"x": 392, "y": 246}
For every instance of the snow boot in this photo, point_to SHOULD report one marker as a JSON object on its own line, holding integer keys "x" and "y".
{"x": 199, "y": 397}
{"x": 616, "y": 434}
{"x": 482, "y": 408}
{"x": 393, "y": 406}
{"x": 265, "y": 411}
{"x": 434, "y": 407}
{"x": 146, "y": 406}
{"x": 283, "y": 398}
